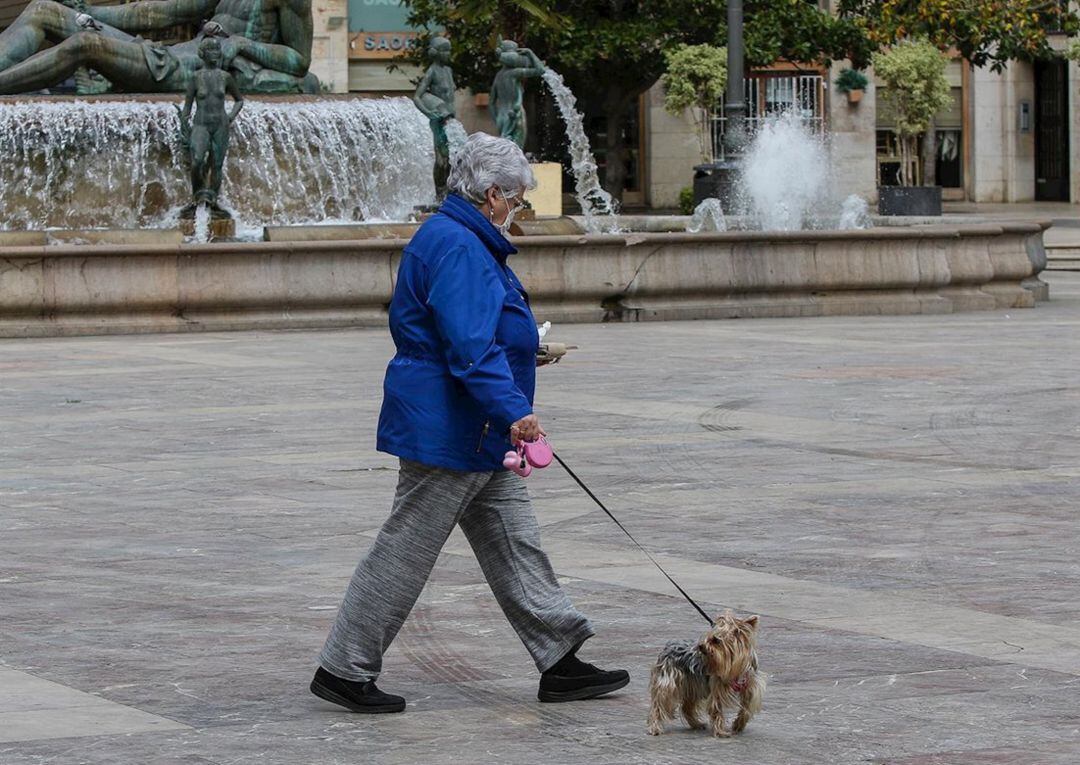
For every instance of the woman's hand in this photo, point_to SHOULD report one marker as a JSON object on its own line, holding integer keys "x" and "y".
{"x": 526, "y": 429}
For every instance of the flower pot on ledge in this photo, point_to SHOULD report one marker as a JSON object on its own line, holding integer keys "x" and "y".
{"x": 854, "y": 96}
{"x": 909, "y": 200}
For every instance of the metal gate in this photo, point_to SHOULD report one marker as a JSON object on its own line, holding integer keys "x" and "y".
{"x": 1051, "y": 131}
{"x": 770, "y": 95}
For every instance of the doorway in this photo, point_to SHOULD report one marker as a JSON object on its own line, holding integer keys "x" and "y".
{"x": 1051, "y": 131}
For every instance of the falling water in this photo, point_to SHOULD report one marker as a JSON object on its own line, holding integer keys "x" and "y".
{"x": 83, "y": 164}
{"x": 456, "y": 135}
{"x": 785, "y": 176}
{"x": 786, "y": 181}
{"x": 202, "y": 223}
{"x": 854, "y": 213}
{"x": 708, "y": 216}
{"x": 597, "y": 205}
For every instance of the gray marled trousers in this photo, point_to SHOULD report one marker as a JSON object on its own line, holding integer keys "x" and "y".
{"x": 495, "y": 513}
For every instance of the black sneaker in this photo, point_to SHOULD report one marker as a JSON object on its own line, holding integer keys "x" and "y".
{"x": 586, "y": 682}
{"x": 361, "y": 697}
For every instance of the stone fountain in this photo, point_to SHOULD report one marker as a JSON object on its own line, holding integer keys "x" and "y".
{"x": 116, "y": 162}
{"x": 293, "y": 159}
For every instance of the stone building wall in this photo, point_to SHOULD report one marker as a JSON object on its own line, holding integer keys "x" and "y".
{"x": 330, "y": 46}
{"x": 671, "y": 151}
{"x": 1002, "y": 158}
{"x": 852, "y": 129}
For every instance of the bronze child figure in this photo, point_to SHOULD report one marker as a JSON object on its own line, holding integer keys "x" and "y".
{"x": 208, "y": 138}
{"x": 434, "y": 98}
{"x": 507, "y": 90}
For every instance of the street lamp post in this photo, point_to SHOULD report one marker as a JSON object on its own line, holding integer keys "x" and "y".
{"x": 718, "y": 178}
{"x": 735, "y": 100}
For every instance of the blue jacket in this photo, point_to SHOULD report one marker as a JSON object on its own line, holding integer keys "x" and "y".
{"x": 465, "y": 368}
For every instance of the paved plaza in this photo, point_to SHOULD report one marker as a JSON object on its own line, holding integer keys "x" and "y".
{"x": 896, "y": 496}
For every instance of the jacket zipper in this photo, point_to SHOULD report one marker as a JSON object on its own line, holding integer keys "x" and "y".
{"x": 480, "y": 445}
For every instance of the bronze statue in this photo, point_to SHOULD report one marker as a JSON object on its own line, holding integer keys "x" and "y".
{"x": 434, "y": 98}
{"x": 208, "y": 139}
{"x": 507, "y": 90}
{"x": 266, "y": 44}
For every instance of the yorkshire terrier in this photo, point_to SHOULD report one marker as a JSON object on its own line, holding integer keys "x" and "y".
{"x": 721, "y": 669}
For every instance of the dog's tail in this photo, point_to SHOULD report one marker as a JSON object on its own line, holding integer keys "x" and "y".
{"x": 664, "y": 679}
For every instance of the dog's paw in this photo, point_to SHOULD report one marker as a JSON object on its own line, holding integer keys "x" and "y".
{"x": 654, "y": 730}
{"x": 721, "y": 733}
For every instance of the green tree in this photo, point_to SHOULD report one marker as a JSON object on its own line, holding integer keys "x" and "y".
{"x": 985, "y": 32}
{"x": 800, "y": 32}
{"x": 695, "y": 80}
{"x": 1072, "y": 52}
{"x": 913, "y": 72}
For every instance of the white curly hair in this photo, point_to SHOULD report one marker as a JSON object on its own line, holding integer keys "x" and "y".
{"x": 485, "y": 161}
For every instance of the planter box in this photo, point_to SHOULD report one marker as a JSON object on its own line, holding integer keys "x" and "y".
{"x": 909, "y": 200}
{"x": 854, "y": 96}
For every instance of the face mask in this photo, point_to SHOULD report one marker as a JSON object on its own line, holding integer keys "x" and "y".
{"x": 504, "y": 227}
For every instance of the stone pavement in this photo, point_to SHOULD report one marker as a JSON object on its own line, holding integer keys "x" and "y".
{"x": 896, "y": 496}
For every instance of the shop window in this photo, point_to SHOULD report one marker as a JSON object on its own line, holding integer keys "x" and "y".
{"x": 949, "y": 167}
{"x": 948, "y": 144}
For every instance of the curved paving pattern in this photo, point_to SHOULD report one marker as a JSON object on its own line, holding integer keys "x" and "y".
{"x": 895, "y": 495}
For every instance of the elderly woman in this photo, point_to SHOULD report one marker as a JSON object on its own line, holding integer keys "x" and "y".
{"x": 457, "y": 393}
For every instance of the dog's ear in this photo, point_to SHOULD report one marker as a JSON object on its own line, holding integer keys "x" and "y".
{"x": 751, "y": 621}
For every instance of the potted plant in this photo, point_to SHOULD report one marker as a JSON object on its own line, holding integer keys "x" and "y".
{"x": 912, "y": 75}
{"x": 694, "y": 82}
{"x": 853, "y": 83}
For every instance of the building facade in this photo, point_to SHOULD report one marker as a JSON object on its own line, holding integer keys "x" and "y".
{"x": 1012, "y": 136}
{"x": 1006, "y": 136}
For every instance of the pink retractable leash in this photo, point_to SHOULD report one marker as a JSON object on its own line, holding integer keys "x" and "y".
{"x": 528, "y": 455}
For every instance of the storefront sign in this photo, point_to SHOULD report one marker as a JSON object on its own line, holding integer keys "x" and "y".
{"x": 380, "y": 44}
{"x": 366, "y": 20}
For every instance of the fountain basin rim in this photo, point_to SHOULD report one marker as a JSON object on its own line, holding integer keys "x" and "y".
{"x": 258, "y": 248}
{"x": 168, "y": 287}
{"x": 676, "y": 224}
{"x": 806, "y": 235}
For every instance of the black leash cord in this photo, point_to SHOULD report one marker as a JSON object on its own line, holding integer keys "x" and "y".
{"x": 595, "y": 499}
